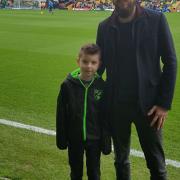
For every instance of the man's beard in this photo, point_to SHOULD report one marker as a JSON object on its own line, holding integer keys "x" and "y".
{"x": 124, "y": 13}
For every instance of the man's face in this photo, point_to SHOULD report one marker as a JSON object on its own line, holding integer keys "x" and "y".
{"x": 124, "y": 8}
{"x": 89, "y": 64}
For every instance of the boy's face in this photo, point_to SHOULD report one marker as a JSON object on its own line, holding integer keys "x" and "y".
{"x": 88, "y": 64}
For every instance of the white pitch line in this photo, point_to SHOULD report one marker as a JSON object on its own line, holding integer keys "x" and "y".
{"x": 28, "y": 127}
{"x": 133, "y": 152}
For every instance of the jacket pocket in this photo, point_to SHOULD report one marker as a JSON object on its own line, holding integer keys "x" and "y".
{"x": 153, "y": 82}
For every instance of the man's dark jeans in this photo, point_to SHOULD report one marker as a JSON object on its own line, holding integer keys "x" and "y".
{"x": 150, "y": 139}
{"x": 76, "y": 153}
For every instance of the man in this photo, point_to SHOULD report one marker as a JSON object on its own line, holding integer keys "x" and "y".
{"x": 50, "y": 6}
{"x": 133, "y": 40}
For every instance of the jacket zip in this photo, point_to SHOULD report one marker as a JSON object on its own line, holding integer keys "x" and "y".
{"x": 84, "y": 114}
{"x": 85, "y": 107}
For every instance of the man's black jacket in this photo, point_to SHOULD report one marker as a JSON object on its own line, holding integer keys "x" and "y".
{"x": 153, "y": 41}
{"x": 78, "y": 115}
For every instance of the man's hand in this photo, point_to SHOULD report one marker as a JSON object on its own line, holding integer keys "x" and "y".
{"x": 159, "y": 116}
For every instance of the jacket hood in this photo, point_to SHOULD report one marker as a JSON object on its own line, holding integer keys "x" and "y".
{"x": 74, "y": 76}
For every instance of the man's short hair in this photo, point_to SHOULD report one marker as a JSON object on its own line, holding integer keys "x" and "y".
{"x": 90, "y": 49}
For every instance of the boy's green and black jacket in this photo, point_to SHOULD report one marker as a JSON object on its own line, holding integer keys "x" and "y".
{"x": 78, "y": 115}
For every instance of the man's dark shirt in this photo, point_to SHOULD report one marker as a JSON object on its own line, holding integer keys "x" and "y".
{"x": 127, "y": 78}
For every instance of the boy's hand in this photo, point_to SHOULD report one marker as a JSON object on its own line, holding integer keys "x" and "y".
{"x": 158, "y": 115}
{"x": 106, "y": 145}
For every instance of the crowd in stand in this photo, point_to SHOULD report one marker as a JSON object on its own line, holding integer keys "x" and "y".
{"x": 163, "y": 6}
{"x": 93, "y": 5}
{"x": 158, "y": 5}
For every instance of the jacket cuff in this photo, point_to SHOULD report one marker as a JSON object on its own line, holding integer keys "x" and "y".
{"x": 106, "y": 146}
{"x": 164, "y": 105}
{"x": 62, "y": 145}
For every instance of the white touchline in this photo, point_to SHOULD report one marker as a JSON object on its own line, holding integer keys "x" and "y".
{"x": 29, "y": 127}
{"x": 133, "y": 152}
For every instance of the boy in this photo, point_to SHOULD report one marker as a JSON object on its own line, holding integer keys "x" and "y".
{"x": 78, "y": 122}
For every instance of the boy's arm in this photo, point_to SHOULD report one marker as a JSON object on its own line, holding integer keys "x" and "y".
{"x": 61, "y": 119}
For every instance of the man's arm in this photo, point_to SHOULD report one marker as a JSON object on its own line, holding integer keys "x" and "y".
{"x": 168, "y": 78}
{"x": 169, "y": 69}
{"x": 99, "y": 42}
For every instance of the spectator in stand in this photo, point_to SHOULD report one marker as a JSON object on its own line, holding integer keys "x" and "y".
{"x": 50, "y": 6}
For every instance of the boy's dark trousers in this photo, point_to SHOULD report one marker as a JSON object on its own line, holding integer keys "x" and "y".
{"x": 150, "y": 139}
{"x": 92, "y": 150}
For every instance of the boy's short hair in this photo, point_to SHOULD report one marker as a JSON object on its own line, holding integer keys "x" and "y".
{"x": 90, "y": 49}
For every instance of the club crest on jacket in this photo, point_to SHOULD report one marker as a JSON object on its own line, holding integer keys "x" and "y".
{"x": 97, "y": 94}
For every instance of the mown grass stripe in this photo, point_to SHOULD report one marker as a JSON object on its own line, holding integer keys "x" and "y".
{"x": 133, "y": 152}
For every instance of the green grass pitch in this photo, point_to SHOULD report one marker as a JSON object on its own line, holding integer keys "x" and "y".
{"x": 36, "y": 53}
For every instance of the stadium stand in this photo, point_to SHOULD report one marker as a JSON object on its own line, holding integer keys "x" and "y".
{"x": 86, "y": 5}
